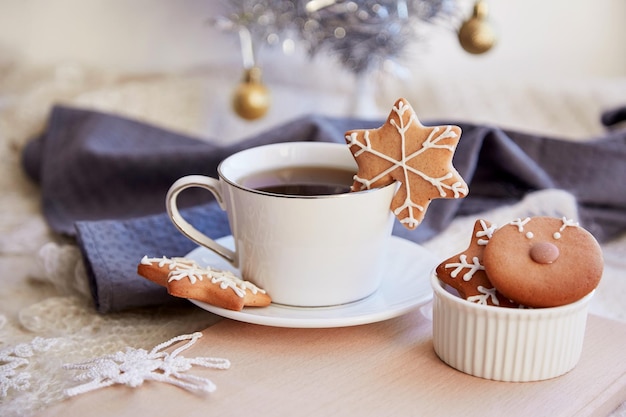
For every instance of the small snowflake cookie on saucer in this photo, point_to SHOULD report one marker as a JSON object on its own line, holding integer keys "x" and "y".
{"x": 186, "y": 279}
{"x": 418, "y": 157}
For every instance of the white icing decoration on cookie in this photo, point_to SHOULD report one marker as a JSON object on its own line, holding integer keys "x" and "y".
{"x": 520, "y": 223}
{"x": 181, "y": 268}
{"x": 170, "y": 262}
{"x": 179, "y": 272}
{"x": 566, "y": 223}
{"x": 530, "y": 235}
{"x": 486, "y": 232}
{"x": 484, "y": 296}
{"x": 459, "y": 266}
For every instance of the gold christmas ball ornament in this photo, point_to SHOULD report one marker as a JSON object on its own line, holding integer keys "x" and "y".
{"x": 476, "y": 34}
{"x": 251, "y": 99}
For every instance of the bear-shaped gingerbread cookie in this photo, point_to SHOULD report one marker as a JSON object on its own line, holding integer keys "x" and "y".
{"x": 533, "y": 262}
{"x": 543, "y": 261}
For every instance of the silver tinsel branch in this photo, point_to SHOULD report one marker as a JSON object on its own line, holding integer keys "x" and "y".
{"x": 360, "y": 34}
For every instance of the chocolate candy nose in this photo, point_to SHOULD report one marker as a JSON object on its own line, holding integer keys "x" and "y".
{"x": 544, "y": 253}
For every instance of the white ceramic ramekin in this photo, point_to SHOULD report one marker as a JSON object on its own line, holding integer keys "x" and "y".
{"x": 506, "y": 344}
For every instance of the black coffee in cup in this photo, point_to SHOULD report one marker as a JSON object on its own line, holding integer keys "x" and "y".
{"x": 303, "y": 181}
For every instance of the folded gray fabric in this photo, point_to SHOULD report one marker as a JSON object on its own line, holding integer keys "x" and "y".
{"x": 113, "y": 248}
{"x": 104, "y": 179}
{"x": 95, "y": 166}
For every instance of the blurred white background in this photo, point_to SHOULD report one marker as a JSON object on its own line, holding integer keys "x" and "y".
{"x": 556, "y": 66}
{"x": 538, "y": 38}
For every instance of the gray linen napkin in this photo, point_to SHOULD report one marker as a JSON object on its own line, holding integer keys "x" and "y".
{"x": 104, "y": 179}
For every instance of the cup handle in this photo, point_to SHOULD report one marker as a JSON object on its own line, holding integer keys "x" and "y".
{"x": 214, "y": 186}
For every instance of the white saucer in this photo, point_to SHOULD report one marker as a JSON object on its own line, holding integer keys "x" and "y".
{"x": 405, "y": 286}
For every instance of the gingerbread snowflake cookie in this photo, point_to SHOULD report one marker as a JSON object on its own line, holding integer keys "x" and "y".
{"x": 186, "y": 279}
{"x": 417, "y": 156}
{"x": 465, "y": 271}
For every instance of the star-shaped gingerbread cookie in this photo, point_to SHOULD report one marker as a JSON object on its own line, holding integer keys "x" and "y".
{"x": 419, "y": 157}
{"x": 465, "y": 271}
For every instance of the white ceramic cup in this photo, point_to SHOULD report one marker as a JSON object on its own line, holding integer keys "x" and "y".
{"x": 306, "y": 251}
